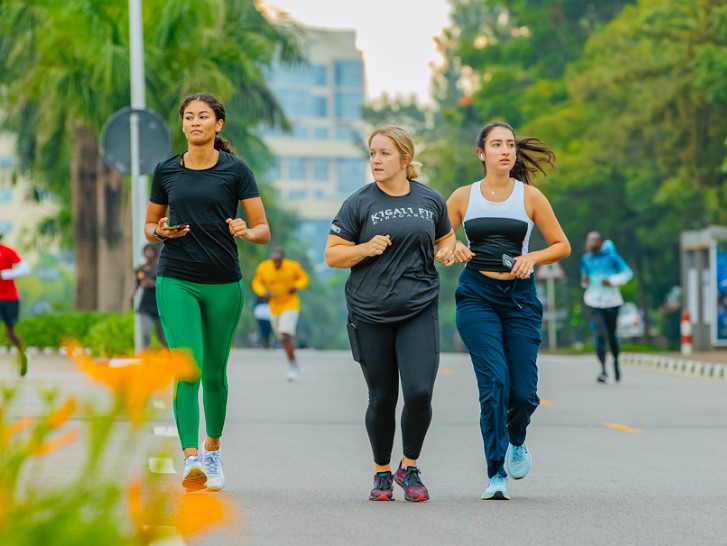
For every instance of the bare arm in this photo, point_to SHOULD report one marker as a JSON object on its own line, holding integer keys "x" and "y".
{"x": 457, "y": 206}
{"x": 258, "y": 230}
{"x": 539, "y": 209}
{"x": 343, "y": 254}
{"x": 444, "y": 248}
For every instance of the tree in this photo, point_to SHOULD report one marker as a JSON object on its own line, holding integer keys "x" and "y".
{"x": 65, "y": 71}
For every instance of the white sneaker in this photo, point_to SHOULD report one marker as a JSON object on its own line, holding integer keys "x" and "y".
{"x": 517, "y": 461}
{"x": 497, "y": 489}
{"x": 294, "y": 371}
{"x": 194, "y": 477}
{"x": 212, "y": 465}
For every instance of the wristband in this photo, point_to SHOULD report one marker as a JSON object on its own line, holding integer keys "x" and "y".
{"x": 157, "y": 236}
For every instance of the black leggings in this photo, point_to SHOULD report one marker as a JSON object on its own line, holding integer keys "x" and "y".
{"x": 605, "y": 322}
{"x": 385, "y": 351}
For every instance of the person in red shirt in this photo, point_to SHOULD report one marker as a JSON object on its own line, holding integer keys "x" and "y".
{"x": 11, "y": 267}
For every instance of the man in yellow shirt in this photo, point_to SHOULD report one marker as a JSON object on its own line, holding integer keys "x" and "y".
{"x": 279, "y": 280}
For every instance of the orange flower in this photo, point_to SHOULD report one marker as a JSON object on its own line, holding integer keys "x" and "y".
{"x": 18, "y": 426}
{"x": 135, "y": 382}
{"x": 197, "y": 512}
{"x": 55, "y": 444}
{"x": 62, "y": 414}
{"x": 192, "y": 514}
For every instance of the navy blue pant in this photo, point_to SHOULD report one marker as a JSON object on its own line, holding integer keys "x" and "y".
{"x": 386, "y": 351}
{"x": 500, "y": 322}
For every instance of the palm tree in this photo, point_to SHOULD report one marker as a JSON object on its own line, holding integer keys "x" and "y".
{"x": 65, "y": 70}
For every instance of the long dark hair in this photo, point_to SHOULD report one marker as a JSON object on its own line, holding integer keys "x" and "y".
{"x": 219, "y": 111}
{"x": 532, "y": 153}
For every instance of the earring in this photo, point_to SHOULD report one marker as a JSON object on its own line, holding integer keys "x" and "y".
{"x": 482, "y": 157}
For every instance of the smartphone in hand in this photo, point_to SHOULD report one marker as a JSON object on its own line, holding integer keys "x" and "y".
{"x": 508, "y": 261}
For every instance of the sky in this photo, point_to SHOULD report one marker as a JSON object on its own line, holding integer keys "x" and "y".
{"x": 396, "y": 38}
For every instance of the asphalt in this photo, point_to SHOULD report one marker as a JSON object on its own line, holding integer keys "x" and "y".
{"x": 636, "y": 462}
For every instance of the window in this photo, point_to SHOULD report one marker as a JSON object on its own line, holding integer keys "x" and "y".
{"x": 320, "y": 168}
{"x": 320, "y": 107}
{"x": 273, "y": 173}
{"x": 345, "y": 133}
{"x": 348, "y": 105}
{"x": 6, "y": 194}
{"x": 295, "y": 103}
{"x": 296, "y": 195}
{"x": 299, "y": 74}
{"x": 320, "y": 133}
{"x": 6, "y": 227}
{"x": 350, "y": 175}
{"x": 7, "y": 162}
{"x": 320, "y": 75}
{"x": 349, "y": 74}
{"x": 300, "y": 131}
{"x": 296, "y": 168}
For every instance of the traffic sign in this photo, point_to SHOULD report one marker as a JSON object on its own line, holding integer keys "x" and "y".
{"x": 549, "y": 271}
{"x": 154, "y": 140}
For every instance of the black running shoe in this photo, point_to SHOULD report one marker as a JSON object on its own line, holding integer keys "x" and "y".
{"x": 602, "y": 378}
{"x": 383, "y": 487}
{"x": 408, "y": 478}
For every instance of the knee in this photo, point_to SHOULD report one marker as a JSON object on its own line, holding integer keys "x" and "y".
{"x": 524, "y": 398}
{"x": 384, "y": 401}
{"x": 419, "y": 399}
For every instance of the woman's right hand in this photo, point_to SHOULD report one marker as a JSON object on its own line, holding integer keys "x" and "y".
{"x": 462, "y": 254}
{"x": 166, "y": 231}
{"x": 377, "y": 245}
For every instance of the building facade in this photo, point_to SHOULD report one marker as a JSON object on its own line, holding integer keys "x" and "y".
{"x": 324, "y": 159}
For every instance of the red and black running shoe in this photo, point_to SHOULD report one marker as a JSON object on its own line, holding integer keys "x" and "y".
{"x": 383, "y": 487}
{"x": 408, "y": 478}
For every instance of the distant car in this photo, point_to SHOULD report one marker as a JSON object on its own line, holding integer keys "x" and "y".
{"x": 630, "y": 322}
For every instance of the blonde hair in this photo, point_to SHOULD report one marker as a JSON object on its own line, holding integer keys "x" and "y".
{"x": 404, "y": 144}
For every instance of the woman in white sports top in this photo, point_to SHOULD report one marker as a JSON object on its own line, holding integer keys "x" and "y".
{"x": 499, "y": 316}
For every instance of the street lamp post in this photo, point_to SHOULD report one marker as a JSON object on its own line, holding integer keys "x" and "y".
{"x": 139, "y": 182}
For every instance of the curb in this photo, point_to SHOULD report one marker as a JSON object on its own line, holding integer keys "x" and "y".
{"x": 676, "y": 366}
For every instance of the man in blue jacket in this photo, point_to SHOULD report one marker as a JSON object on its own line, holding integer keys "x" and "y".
{"x": 603, "y": 271}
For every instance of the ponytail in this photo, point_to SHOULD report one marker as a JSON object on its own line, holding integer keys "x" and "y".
{"x": 532, "y": 156}
{"x": 224, "y": 145}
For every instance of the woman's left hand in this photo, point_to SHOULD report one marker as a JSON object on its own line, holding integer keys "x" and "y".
{"x": 238, "y": 228}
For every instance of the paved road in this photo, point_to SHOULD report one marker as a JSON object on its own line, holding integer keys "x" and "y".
{"x": 641, "y": 462}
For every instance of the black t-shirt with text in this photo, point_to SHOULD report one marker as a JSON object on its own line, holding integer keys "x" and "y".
{"x": 204, "y": 199}
{"x": 402, "y": 281}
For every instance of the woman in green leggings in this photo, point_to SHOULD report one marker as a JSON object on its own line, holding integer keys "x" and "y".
{"x": 199, "y": 286}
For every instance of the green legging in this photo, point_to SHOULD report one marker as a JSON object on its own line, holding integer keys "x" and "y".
{"x": 202, "y": 318}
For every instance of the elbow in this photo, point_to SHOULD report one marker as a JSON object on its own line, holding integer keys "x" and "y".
{"x": 331, "y": 260}
{"x": 566, "y": 249}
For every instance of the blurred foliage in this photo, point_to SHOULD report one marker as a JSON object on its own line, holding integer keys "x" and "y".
{"x": 632, "y": 96}
{"x": 86, "y": 505}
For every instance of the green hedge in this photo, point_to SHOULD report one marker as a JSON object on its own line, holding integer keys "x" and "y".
{"x": 106, "y": 334}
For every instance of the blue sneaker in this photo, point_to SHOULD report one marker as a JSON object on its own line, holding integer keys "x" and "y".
{"x": 517, "y": 461}
{"x": 497, "y": 490}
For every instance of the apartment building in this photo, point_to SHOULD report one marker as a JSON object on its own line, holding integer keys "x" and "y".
{"x": 324, "y": 158}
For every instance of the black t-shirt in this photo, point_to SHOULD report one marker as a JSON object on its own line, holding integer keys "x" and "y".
{"x": 204, "y": 199}
{"x": 148, "y": 301}
{"x": 402, "y": 281}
